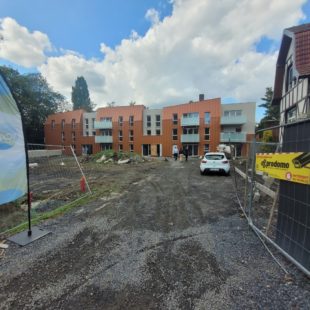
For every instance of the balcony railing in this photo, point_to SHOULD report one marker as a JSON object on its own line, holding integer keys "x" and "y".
{"x": 233, "y": 137}
{"x": 103, "y": 139}
{"x": 233, "y": 120}
{"x": 103, "y": 124}
{"x": 190, "y": 121}
{"x": 194, "y": 138}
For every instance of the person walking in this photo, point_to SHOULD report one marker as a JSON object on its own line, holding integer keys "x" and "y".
{"x": 185, "y": 152}
{"x": 175, "y": 152}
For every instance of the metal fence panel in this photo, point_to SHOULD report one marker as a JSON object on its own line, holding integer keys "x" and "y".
{"x": 278, "y": 210}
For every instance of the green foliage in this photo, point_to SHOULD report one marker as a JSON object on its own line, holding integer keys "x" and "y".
{"x": 267, "y": 138}
{"x": 36, "y": 100}
{"x": 272, "y": 113}
{"x": 80, "y": 95}
{"x": 110, "y": 154}
{"x": 107, "y": 153}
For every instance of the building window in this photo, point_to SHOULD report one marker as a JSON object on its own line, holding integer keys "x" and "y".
{"x": 62, "y": 136}
{"x": 120, "y": 147}
{"x": 94, "y": 133}
{"x": 157, "y": 132}
{"x": 207, "y": 118}
{"x": 106, "y": 132}
{"x": 87, "y": 133}
{"x": 148, "y": 121}
{"x": 130, "y": 135}
{"x": 120, "y": 120}
{"x": 131, "y": 147}
{"x": 174, "y": 134}
{"x": 190, "y": 130}
{"x": 207, "y": 148}
{"x": 106, "y": 119}
{"x": 93, "y": 122}
{"x": 289, "y": 78}
{"x": 148, "y": 132}
{"x": 291, "y": 115}
{"x": 191, "y": 115}
{"x": 73, "y": 135}
{"x": 207, "y": 134}
{"x": 120, "y": 135}
{"x": 63, "y": 124}
{"x": 131, "y": 120}
{"x": 86, "y": 124}
{"x": 73, "y": 123}
{"x": 175, "y": 119}
{"x": 233, "y": 113}
{"x": 53, "y": 124}
{"x": 157, "y": 120}
{"x": 238, "y": 129}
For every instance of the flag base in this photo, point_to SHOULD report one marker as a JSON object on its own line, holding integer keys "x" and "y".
{"x": 26, "y": 237}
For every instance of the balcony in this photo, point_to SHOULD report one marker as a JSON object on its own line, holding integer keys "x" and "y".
{"x": 103, "y": 139}
{"x": 103, "y": 124}
{"x": 233, "y": 120}
{"x": 233, "y": 137}
{"x": 193, "y": 138}
{"x": 190, "y": 121}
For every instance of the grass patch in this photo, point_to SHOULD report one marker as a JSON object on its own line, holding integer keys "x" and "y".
{"x": 36, "y": 219}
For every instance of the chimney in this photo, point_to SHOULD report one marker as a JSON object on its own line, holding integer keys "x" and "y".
{"x": 201, "y": 97}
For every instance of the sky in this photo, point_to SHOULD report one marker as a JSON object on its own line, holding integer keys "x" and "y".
{"x": 153, "y": 52}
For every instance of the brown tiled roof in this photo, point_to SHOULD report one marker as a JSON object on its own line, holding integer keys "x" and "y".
{"x": 302, "y": 52}
{"x": 301, "y": 36}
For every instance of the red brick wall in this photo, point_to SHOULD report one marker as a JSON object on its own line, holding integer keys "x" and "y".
{"x": 213, "y": 106}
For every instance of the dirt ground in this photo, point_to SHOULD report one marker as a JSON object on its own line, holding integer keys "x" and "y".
{"x": 164, "y": 238}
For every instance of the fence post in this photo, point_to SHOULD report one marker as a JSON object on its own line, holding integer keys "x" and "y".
{"x": 252, "y": 179}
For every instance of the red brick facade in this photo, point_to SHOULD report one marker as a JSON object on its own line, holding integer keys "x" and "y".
{"x": 61, "y": 129}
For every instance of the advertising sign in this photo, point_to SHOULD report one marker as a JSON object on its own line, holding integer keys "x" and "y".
{"x": 13, "y": 173}
{"x": 293, "y": 167}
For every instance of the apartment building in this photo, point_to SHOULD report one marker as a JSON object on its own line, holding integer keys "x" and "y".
{"x": 152, "y": 132}
{"x": 67, "y": 128}
{"x": 238, "y": 125}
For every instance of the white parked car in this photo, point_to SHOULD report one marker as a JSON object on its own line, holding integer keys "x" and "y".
{"x": 216, "y": 162}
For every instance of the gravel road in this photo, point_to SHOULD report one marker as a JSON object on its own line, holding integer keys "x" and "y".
{"x": 171, "y": 239}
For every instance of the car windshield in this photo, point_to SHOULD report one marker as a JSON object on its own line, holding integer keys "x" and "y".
{"x": 214, "y": 156}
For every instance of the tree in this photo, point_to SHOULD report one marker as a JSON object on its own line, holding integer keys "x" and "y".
{"x": 36, "y": 100}
{"x": 80, "y": 95}
{"x": 132, "y": 103}
{"x": 271, "y": 114}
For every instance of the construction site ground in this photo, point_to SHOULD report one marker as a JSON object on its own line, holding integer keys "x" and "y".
{"x": 161, "y": 237}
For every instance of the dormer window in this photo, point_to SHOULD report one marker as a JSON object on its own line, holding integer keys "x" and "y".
{"x": 289, "y": 78}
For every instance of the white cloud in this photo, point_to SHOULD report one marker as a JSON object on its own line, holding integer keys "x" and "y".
{"x": 20, "y": 46}
{"x": 204, "y": 46}
{"x": 153, "y": 16}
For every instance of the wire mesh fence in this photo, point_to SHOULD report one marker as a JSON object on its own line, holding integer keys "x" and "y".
{"x": 272, "y": 184}
{"x": 55, "y": 179}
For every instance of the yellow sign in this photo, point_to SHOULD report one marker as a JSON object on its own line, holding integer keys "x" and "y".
{"x": 293, "y": 167}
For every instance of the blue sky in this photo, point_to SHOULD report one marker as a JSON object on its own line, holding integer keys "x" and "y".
{"x": 155, "y": 52}
{"x": 81, "y": 25}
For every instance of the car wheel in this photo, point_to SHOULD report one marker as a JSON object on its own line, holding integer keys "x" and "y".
{"x": 227, "y": 173}
{"x": 202, "y": 172}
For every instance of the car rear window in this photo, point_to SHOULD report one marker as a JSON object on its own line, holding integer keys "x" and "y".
{"x": 214, "y": 157}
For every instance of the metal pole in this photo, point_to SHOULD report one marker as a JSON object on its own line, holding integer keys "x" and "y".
{"x": 80, "y": 168}
{"x": 303, "y": 269}
{"x": 252, "y": 177}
